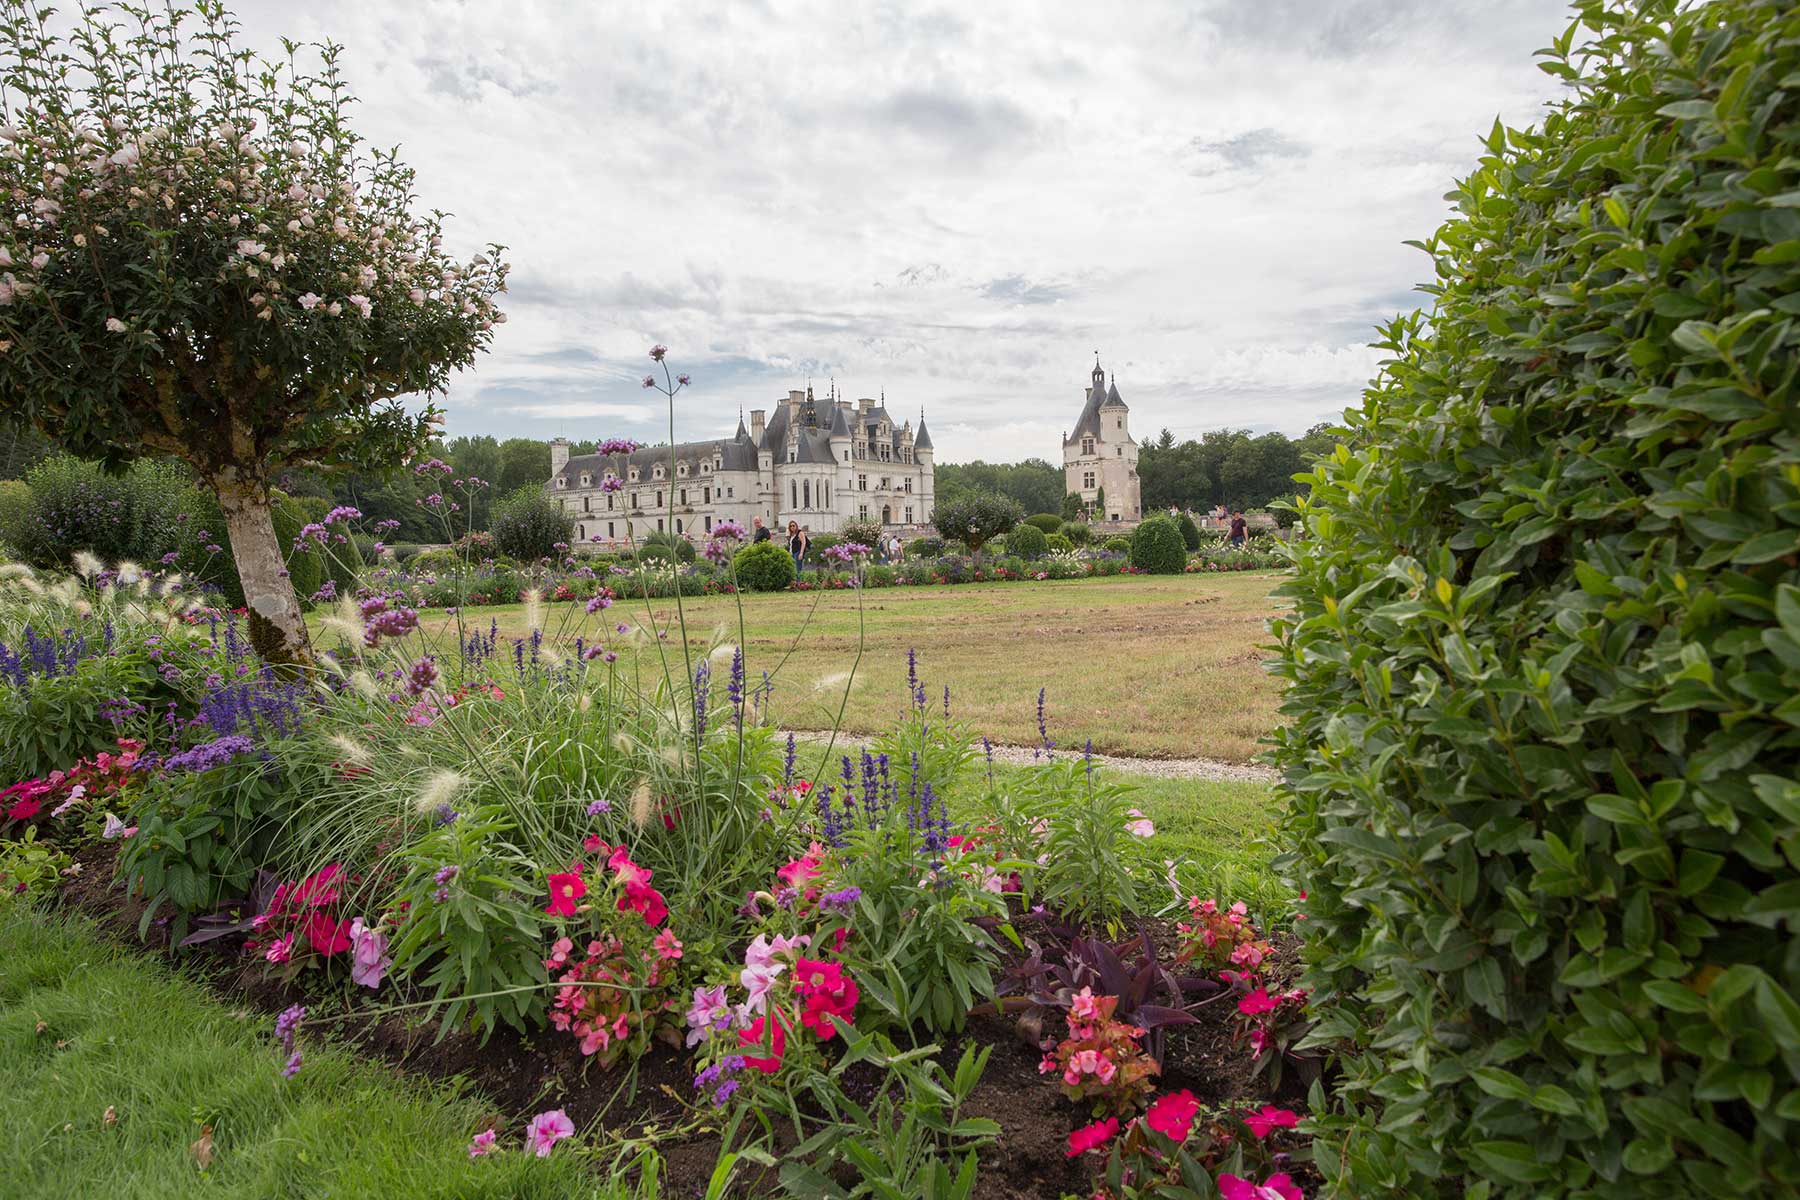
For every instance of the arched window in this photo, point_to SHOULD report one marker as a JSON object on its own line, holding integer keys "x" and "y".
{"x": 806, "y": 493}
{"x": 793, "y": 494}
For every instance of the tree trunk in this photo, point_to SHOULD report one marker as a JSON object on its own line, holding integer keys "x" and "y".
{"x": 277, "y": 629}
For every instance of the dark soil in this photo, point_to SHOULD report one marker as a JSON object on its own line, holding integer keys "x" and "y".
{"x": 521, "y": 1074}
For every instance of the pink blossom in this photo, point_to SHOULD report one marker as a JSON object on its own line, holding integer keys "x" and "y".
{"x": 1141, "y": 827}
{"x": 1085, "y": 1005}
{"x": 1258, "y": 1001}
{"x": 367, "y": 945}
{"x": 547, "y": 1129}
{"x": 309, "y": 301}
{"x": 482, "y": 1143}
{"x": 361, "y": 303}
{"x": 114, "y": 325}
{"x": 1270, "y": 1118}
{"x": 280, "y": 950}
{"x": 1275, "y": 1187}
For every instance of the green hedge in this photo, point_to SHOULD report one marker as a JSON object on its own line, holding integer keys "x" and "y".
{"x": 1027, "y": 541}
{"x": 763, "y": 567}
{"x": 1156, "y": 547}
{"x": 1544, "y": 652}
{"x": 1045, "y": 522}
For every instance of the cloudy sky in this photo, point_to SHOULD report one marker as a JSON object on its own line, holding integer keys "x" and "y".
{"x": 956, "y": 205}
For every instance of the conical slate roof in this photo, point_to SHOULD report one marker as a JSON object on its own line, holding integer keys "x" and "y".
{"x": 839, "y": 426}
{"x": 922, "y": 439}
{"x": 1112, "y": 397}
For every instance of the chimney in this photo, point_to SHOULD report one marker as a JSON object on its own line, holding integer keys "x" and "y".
{"x": 559, "y": 456}
{"x": 756, "y": 425}
{"x": 864, "y": 405}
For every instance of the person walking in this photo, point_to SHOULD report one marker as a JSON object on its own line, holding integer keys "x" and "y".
{"x": 762, "y": 531}
{"x": 1239, "y": 530}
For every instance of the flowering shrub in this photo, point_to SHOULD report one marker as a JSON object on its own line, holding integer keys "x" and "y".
{"x": 1221, "y": 937}
{"x": 1100, "y": 1059}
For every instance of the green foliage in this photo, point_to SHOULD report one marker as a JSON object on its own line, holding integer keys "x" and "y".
{"x": 1118, "y": 544}
{"x": 1072, "y": 506}
{"x": 30, "y": 870}
{"x": 1156, "y": 547}
{"x": 479, "y": 950}
{"x": 1045, "y": 522}
{"x": 867, "y": 533}
{"x": 56, "y": 720}
{"x": 528, "y": 525}
{"x": 974, "y": 519}
{"x": 1059, "y": 544}
{"x": 763, "y": 567}
{"x": 925, "y": 547}
{"x": 1092, "y": 863}
{"x": 1034, "y": 484}
{"x": 667, "y": 546}
{"x": 1544, "y": 653}
{"x": 1190, "y": 532}
{"x": 73, "y": 506}
{"x": 1078, "y": 533}
{"x": 1027, "y": 541}
{"x": 203, "y": 527}
{"x": 1226, "y": 466}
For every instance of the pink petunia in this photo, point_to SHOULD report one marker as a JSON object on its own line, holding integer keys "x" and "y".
{"x": 547, "y": 1129}
{"x": 1275, "y": 1187}
{"x": 482, "y": 1143}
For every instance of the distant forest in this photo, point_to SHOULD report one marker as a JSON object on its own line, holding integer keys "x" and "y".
{"x": 1229, "y": 466}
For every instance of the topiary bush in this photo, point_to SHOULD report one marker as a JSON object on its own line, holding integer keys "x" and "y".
{"x": 665, "y": 545}
{"x": 1190, "y": 532}
{"x": 1156, "y": 547}
{"x": 1058, "y": 544}
{"x": 1027, "y": 541}
{"x": 975, "y": 518}
{"x": 1118, "y": 545}
{"x": 1045, "y": 522}
{"x": 1079, "y": 533}
{"x": 763, "y": 567}
{"x": 925, "y": 547}
{"x": 1544, "y": 654}
{"x": 527, "y": 525}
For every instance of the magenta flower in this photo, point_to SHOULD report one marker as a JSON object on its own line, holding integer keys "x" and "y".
{"x": 649, "y": 381}
{"x": 368, "y": 962}
{"x": 482, "y": 1144}
{"x": 1275, "y": 1187}
{"x": 657, "y": 352}
{"x": 547, "y": 1129}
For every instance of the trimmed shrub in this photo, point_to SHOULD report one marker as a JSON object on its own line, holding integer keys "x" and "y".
{"x": 1027, "y": 541}
{"x": 404, "y": 553}
{"x": 1156, "y": 547}
{"x": 1045, "y": 522}
{"x": 1078, "y": 532}
{"x": 527, "y": 525}
{"x": 763, "y": 567}
{"x": 666, "y": 545}
{"x": 974, "y": 519}
{"x": 1544, "y": 652}
{"x": 1059, "y": 544}
{"x": 925, "y": 547}
{"x": 1190, "y": 532}
{"x": 1118, "y": 545}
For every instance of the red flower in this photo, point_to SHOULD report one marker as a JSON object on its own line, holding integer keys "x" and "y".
{"x": 643, "y": 899}
{"x": 1173, "y": 1115}
{"x": 327, "y": 935}
{"x": 827, "y": 994}
{"x": 317, "y": 889}
{"x": 753, "y": 1036}
{"x": 592, "y": 843}
{"x": 1258, "y": 1001}
{"x": 1270, "y": 1118}
{"x": 24, "y": 810}
{"x": 1092, "y": 1137}
{"x": 565, "y": 890}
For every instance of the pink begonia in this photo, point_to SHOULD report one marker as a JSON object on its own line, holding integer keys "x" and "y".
{"x": 482, "y": 1143}
{"x": 368, "y": 962}
{"x": 1085, "y": 1005}
{"x": 547, "y": 1129}
{"x": 280, "y": 949}
{"x": 1141, "y": 826}
{"x": 1275, "y": 1187}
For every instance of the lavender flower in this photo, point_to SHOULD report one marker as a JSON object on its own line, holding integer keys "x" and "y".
{"x": 841, "y": 900}
{"x": 734, "y": 689}
{"x": 424, "y": 673}
{"x": 702, "y": 684}
{"x": 208, "y": 755}
{"x": 597, "y": 807}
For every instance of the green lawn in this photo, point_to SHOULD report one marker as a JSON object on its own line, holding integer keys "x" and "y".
{"x": 1158, "y": 666}
{"x": 87, "y": 1026}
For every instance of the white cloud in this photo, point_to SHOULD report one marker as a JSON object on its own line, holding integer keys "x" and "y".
{"x": 956, "y": 205}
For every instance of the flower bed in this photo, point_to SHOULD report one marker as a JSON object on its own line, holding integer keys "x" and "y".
{"x": 592, "y": 892}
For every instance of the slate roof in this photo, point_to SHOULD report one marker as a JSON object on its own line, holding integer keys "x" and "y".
{"x": 734, "y": 454}
{"x": 922, "y": 439}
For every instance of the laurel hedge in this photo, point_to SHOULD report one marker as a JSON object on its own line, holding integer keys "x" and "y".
{"x": 1544, "y": 652}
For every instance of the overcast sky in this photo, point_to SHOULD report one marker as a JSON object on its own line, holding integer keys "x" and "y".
{"x": 958, "y": 205}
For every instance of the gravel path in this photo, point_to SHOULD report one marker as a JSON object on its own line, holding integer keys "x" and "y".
{"x": 1156, "y": 768}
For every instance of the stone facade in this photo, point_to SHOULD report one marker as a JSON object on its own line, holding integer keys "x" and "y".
{"x": 1099, "y": 455}
{"x": 821, "y": 463}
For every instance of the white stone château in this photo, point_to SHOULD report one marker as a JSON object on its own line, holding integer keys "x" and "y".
{"x": 821, "y": 463}
{"x": 1099, "y": 457}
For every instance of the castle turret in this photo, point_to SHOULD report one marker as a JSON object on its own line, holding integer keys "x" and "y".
{"x": 559, "y": 455}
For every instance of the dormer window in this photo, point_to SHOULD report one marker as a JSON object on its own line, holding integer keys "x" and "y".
{"x": 562, "y": 481}
{"x": 1087, "y": 445}
{"x": 681, "y": 470}
{"x": 657, "y": 471}
{"x": 634, "y": 474}
{"x": 587, "y": 480}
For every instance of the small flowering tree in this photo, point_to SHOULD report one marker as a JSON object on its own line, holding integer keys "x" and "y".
{"x": 200, "y": 260}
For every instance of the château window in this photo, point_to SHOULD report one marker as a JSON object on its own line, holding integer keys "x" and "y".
{"x": 562, "y": 481}
{"x": 586, "y": 479}
{"x": 909, "y": 484}
{"x": 609, "y": 529}
{"x": 659, "y": 497}
{"x": 684, "y": 495}
{"x": 634, "y": 499}
{"x": 709, "y": 524}
{"x": 681, "y": 470}
{"x": 1087, "y": 479}
{"x": 1087, "y": 445}
{"x": 862, "y": 512}
{"x": 862, "y": 483}
{"x": 587, "y": 504}
{"x": 909, "y": 519}
{"x": 634, "y": 478}
{"x": 706, "y": 498}
{"x": 609, "y": 502}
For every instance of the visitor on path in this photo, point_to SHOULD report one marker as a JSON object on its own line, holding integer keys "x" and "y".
{"x": 1239, "y": 530}
{"x": 896, "y": 551}
{"x": 762, "y": 531}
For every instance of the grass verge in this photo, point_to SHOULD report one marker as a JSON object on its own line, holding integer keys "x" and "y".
{"x": 87, "y": 1027}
